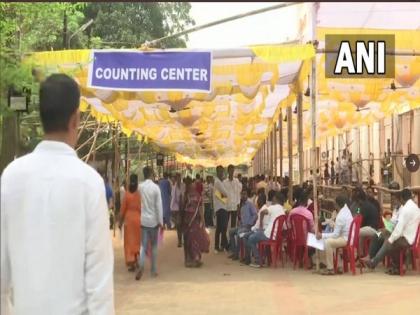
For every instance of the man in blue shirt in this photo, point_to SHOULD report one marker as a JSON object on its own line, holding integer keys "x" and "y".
{"x": 248, "y": 216}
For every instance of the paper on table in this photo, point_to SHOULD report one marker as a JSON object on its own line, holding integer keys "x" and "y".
{"x": 313, "y": 242}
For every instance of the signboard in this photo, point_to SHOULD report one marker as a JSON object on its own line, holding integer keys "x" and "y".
{"x": 162, "y": 70}
{"x": 159, "y": 159}
{"x": 412, "y": 163}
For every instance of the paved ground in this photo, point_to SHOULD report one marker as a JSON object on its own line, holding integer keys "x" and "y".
{"x": 225, "y": 287}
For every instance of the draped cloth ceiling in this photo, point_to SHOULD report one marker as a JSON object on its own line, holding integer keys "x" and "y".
{"x": 251, "y": 85}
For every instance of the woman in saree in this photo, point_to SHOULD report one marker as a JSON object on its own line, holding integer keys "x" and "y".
{"x": 193, "y": 220}
{"x": 130, "y": 215}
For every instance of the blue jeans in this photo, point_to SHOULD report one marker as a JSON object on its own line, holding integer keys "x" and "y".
{"x": 234, "y": 239}
{"x": 252, "y": 244}
{"x": 148, "y": 233}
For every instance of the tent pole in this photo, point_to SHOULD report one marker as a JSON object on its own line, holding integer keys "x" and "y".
{"x": 290, "y": 151}
{"x": 272, "y": 152}
{"x": 275, "y": 150}
{"x": 313, "y": 127}
{"x": 281, "y": 144}
{"x": 300, "y": 136}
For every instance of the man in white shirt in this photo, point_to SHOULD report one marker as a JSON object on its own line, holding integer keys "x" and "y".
{"x": 402, "y": 236}
{"x": 56, "y": 249}
{"x": 233, "y": 188}
{"x": 222, "y": 216}
{"x": 272, "y": 212}
{"x": 151, "y": 220}
{"x": 338, "y": 238}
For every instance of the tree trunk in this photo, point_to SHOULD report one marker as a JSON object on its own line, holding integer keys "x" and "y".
{"x": 9, "y": 140}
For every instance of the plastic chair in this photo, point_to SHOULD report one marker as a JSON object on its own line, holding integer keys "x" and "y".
{"x": 351, "y": 248}
{"x": 274, "y": 243}
{"x": 299, "y": 236}
{"x": 415, "y": 252}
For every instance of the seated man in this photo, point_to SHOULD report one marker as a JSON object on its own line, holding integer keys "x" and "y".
{"x": 401, "y": 237}
{"x": 261, "y": 205}
{"x": 248, "y": 216}
{"x": 302, "y": 210}
{"x": 339, "y": 237}
{"x": 273, "y": 211}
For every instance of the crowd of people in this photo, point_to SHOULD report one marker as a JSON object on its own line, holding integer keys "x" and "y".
{"x": 55, "y": 229}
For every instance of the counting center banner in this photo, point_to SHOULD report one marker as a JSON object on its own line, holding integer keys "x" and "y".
{"x": 139, "y": 71}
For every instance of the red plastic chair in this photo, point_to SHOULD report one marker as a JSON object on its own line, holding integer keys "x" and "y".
{"x": 415, "y": 252}
{"x": 351, "y": 248}
{"x": 274, "y": 243}
{"x": 299, "y": 235}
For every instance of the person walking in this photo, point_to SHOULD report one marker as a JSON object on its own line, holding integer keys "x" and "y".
{"x": 151, "y": 220}
{"x": 233, "y": 189}
{"x": 193, "y": 221}
{"x": 130, "y": 216}
{"x": 222, "y": 216}
{"x": 56, "y": 248}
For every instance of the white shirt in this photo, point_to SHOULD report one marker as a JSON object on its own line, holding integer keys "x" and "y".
{"x": 265, "y": 220}
{"x": 408, "y": 222}
{"x": 342, "y": 224}
{"x": 219, "y": 187}
{"x": 233, "y": 189}
{"x": 151, "y": 204}
{"x": 274, "y": 211}
{"x": 57, "y": 255}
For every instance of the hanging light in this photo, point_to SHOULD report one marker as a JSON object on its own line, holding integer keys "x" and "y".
{"x": 308, "y": 90}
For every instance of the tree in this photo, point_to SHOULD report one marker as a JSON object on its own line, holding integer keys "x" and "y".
{"x": 25, "y": 27}
{"x": 132, "y": 24}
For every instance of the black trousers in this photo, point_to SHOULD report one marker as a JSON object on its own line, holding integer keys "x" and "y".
{"x": 208, "y": 214}
{"x": 222, "y": 220}
{"x": 233, "y": 218}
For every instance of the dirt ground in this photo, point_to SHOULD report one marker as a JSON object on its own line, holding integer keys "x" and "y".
{"x": 225, "y": 287}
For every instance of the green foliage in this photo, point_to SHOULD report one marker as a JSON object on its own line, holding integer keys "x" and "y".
{"x": 28, "y": 27}
{"x": 132, "y": 24}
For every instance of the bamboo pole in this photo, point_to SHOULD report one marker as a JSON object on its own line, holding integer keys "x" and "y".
{"x": 275, "y": 150}
{"x": 290, "y": 151}
{"x": 99, "y": 146}
{"x": 96, "y": 133}
{"x": 272, "y": 152}
{"x": 116, "y": 168}
{"x": 300, "y": 135}
{"x": 83, "y": 126}
{"x": 281, "y": 144}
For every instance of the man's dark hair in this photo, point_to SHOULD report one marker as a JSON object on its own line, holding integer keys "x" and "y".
{"x": 230, "y": 166}
{"x": 147, "y": 172}
{"x": 359, "y": 194}
{"x": 219, "y": 168}
{"x": 280, "y": 197}
{"x": 248, "y": 192}
{"x": 406, "y": 195}
{"x": 261, "y": 201}
{"x": 59, "y": 98}
{"x": 341, "y": 200}
{"x": 197, "y": 176}
{"x": 271, "y": 194}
